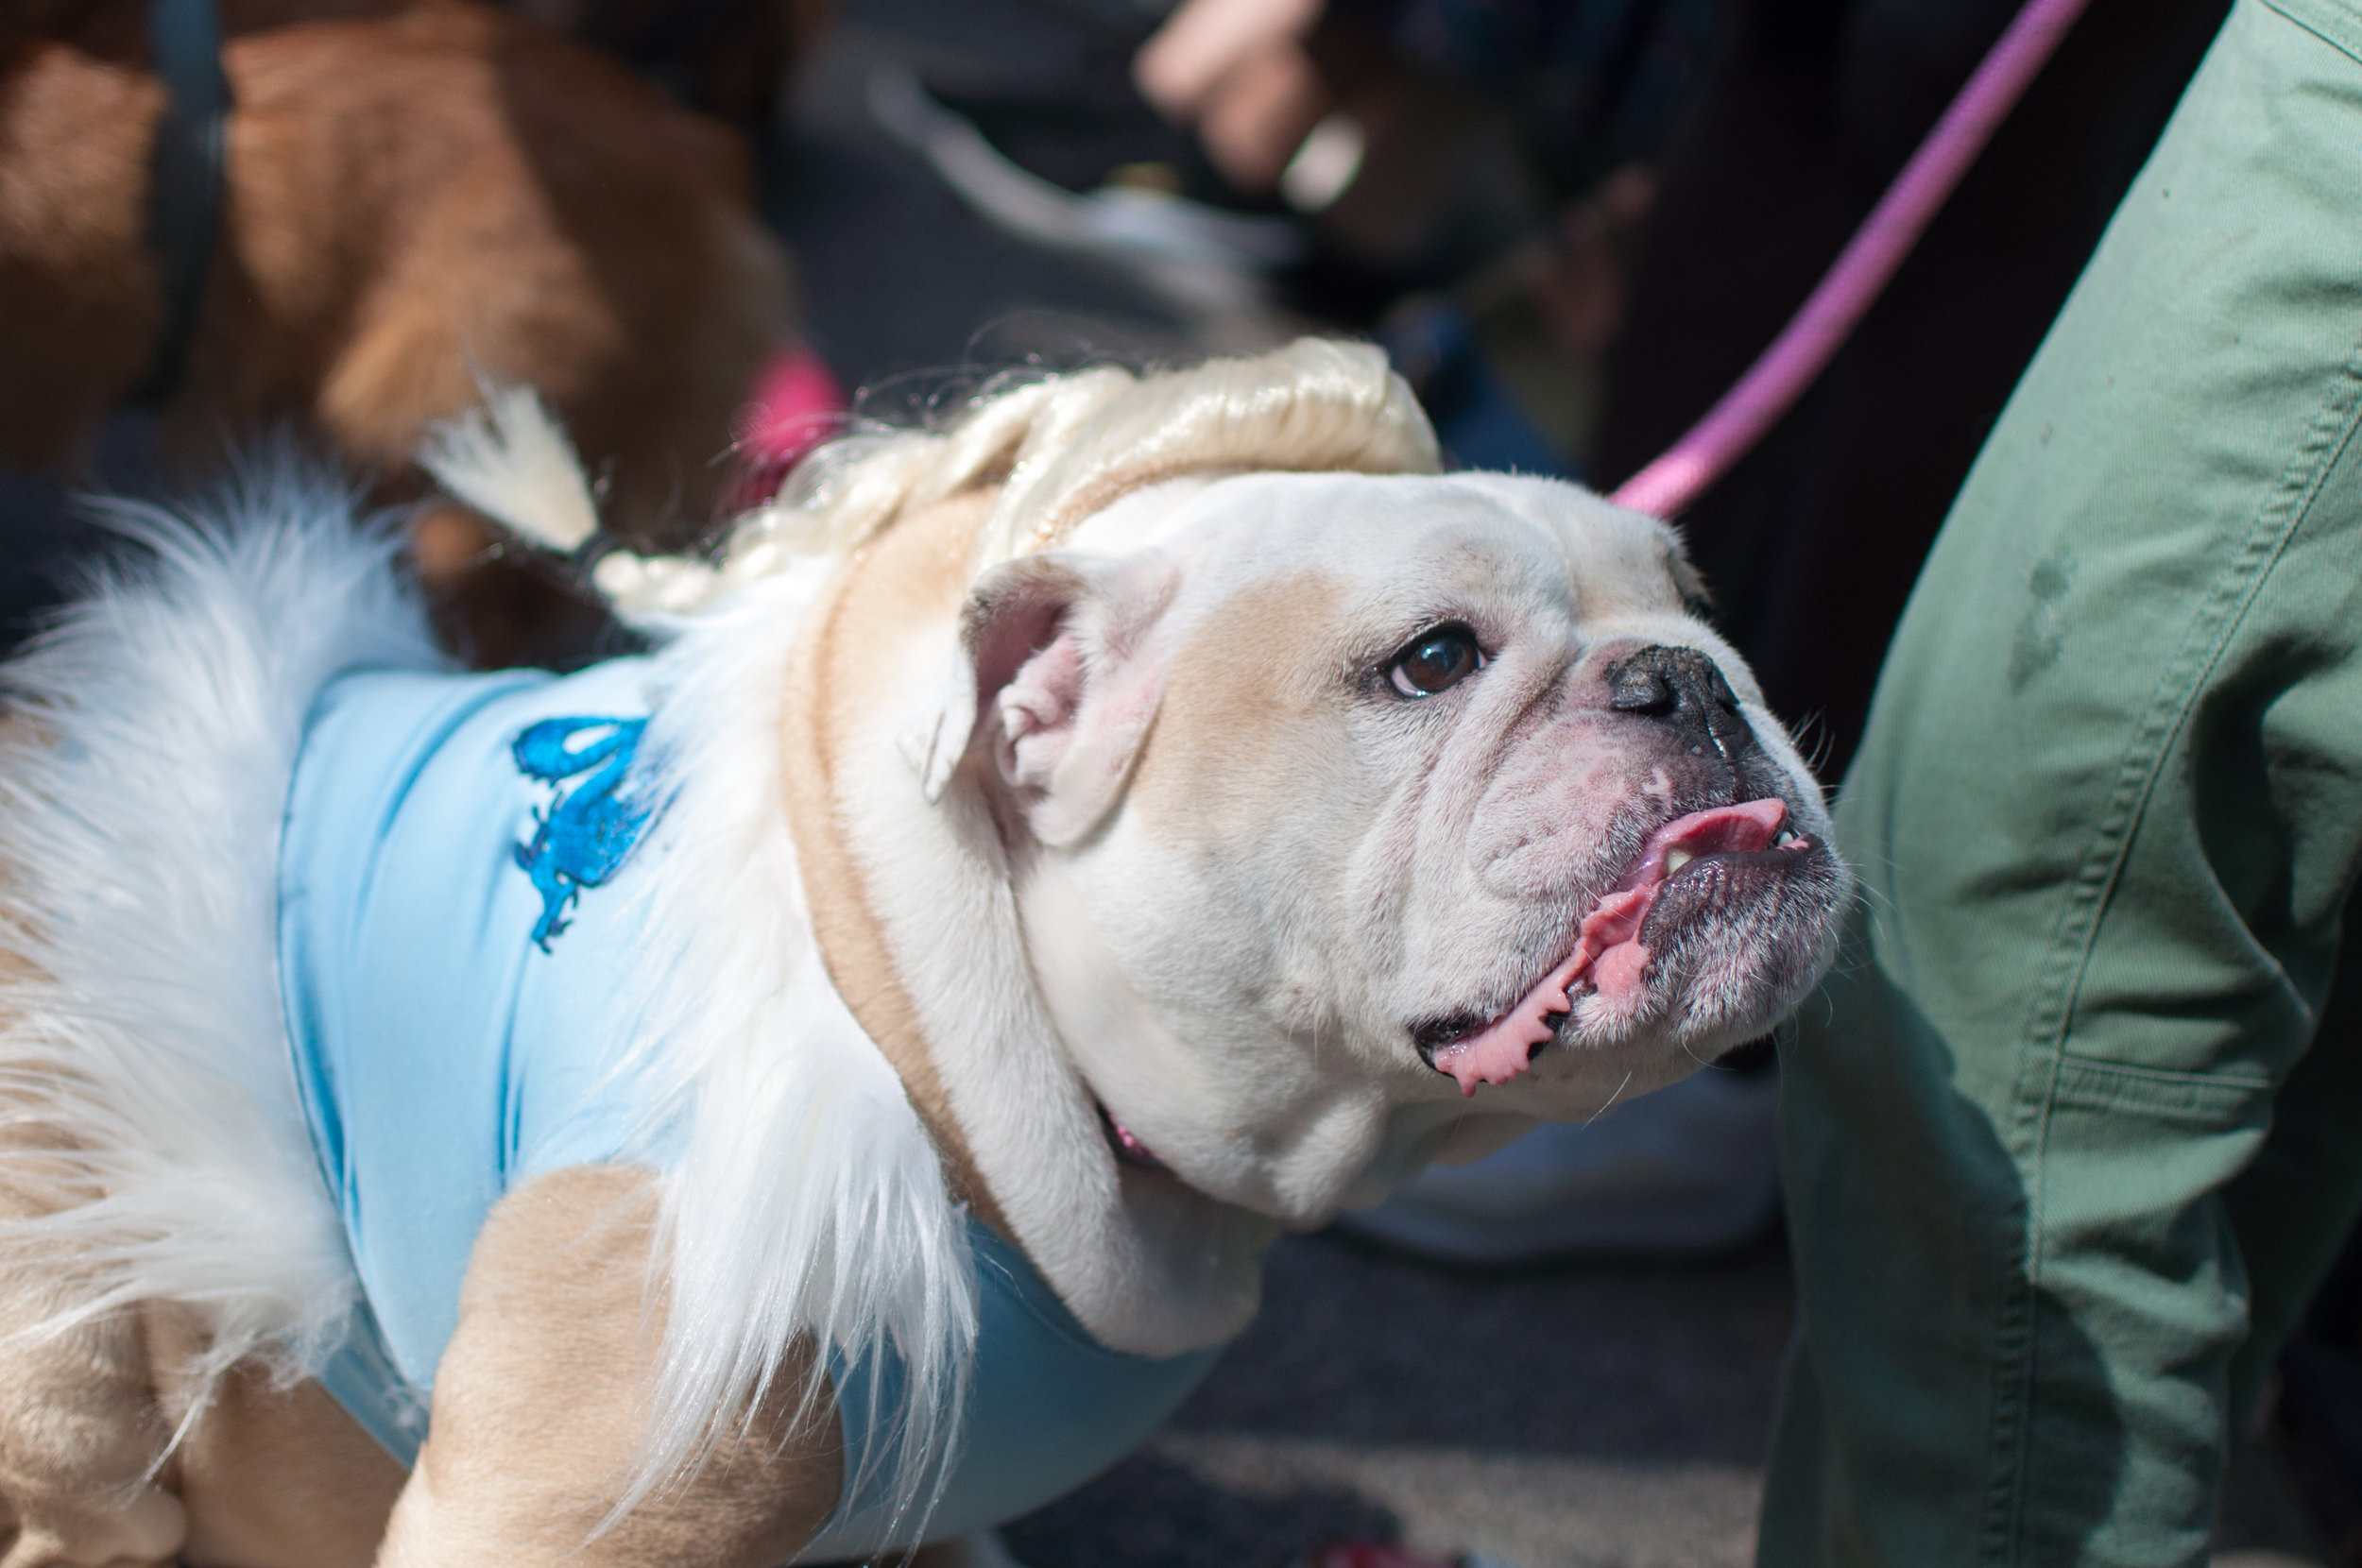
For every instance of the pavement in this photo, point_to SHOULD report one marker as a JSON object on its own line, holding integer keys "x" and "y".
{"x": 1598, "y": 1413}
{"x": 1569, "y": 1417}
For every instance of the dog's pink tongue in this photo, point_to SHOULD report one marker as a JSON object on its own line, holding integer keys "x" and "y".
{"x": 1724, "y": 830}
{"x": 1501, "y": 1049}
{"x": 1608, "y": 947}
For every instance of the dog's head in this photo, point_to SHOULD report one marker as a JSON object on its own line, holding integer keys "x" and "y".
{"x": 1357, "y": 819}
{"x": 1246, "y": 813}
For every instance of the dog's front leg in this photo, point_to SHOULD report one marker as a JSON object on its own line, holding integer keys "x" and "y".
{"x": 540, "y": 1397}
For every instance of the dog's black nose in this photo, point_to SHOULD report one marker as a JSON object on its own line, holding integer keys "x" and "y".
{"x": 1684, "y": 688}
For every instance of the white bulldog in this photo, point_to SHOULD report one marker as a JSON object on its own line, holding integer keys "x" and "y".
{"x": 1047, "y": 859}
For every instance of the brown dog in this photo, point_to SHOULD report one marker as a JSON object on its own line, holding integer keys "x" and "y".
{"x": 417, "y": 193}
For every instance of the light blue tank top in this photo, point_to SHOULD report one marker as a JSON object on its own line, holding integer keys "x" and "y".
{"x": 452, "y": 940}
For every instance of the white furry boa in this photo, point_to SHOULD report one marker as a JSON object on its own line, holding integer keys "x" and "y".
{"x": 807, "y": 1197}
{"x": 150, "y": 737}
{"x": 150, "y": 741}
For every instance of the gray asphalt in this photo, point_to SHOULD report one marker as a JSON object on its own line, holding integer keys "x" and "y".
{"x": 1596, "y": 1414}
{"x": 1587, "y": 1414}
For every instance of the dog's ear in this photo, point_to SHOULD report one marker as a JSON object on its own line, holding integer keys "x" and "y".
{"x": 1056, "y": 682}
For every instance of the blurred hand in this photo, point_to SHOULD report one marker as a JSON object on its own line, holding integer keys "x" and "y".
{"x": 1238, "y": 70}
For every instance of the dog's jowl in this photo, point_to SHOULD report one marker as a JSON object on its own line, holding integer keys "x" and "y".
{"x": 826, "y": 1085}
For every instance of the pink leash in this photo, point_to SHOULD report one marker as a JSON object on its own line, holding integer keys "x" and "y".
{"x": 1666, "y": 488}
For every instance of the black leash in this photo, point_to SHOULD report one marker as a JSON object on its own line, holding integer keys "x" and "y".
{"x": 185, "y": 179}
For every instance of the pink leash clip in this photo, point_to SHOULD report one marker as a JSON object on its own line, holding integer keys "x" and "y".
{"x": 795, "y": 405}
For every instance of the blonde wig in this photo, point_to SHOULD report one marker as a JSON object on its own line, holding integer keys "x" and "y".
{"x": 1059, "y": 448}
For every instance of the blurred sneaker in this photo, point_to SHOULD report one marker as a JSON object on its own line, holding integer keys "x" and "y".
{"x": 1202, "y": 255}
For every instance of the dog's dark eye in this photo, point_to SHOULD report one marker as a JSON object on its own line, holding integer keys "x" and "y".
{"x": 1435, "y": 660}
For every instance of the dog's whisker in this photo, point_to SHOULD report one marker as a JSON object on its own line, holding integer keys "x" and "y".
{"x": 1610, "y": 1100}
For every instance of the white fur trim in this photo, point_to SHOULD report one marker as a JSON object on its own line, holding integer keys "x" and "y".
{"x": 140, "y": 805}
{"x": 152, "y": 735}
{"x": 809, "y": 1200}
{"x": 511, "y": 461}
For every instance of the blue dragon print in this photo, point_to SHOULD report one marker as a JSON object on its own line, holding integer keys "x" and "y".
{"x": 586, "y": 832}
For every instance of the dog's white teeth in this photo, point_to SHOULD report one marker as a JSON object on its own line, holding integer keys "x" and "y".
{"x": 1788, "y": 836}
{"x": 1676, "y": 859}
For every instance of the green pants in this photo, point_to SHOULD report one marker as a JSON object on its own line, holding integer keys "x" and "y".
{"x": 2064, "y": 1155}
